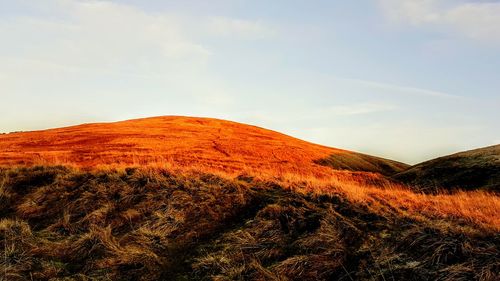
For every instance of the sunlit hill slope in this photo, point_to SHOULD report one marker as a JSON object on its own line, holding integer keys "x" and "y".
{"x": 180, "y": 198}
{"x": 203, "y": 143}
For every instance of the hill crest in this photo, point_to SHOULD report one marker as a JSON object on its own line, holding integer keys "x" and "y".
{"x": 204, "y": 143}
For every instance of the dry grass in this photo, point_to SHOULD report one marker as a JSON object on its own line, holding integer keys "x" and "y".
{"x": 207, "y": 205}
{"x": 382, "y": 195}
{"x": 478, "y": 207}
{"x": 60, "y": 223}
{"x": 371, "y": 189}
{"x": 469, "y": 170}
{"x": 185, "y": 145}
{"x": 201, "y": 143}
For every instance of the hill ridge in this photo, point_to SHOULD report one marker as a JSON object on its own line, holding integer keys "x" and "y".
{"x": 206, "y": 143}
{"x": 477, "y": 168}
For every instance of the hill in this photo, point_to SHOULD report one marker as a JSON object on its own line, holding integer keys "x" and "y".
{"x": 204, "y": 143}
{"x": 473, "y": 169}
{"x": 61, "y": 223}
{"x": 179, "y": 198}
{"x": 362, "y": 162}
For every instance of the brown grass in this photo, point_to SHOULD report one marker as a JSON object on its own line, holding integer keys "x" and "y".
{"x": 216, "y": 200}
{"x": 60, "y": 223}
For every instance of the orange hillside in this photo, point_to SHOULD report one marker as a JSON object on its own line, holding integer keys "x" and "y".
{"x": 229, "y": 148}
{"x": 180, "y": 141}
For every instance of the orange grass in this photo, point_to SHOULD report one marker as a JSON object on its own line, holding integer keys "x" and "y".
{"x": 477, "y": 207}
{"x": 378, "y": 194}
{"x": 229, "y": 149}
{"x": 183, "y": 141}
{"x": 382, "y": 196}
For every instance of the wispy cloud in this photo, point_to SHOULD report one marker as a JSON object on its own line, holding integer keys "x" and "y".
{"x": 360, "y": 109}
{"x": 399, "y": 89}
{"x": 476, "y": 20}
{"x": 80, "y": 50}
{"x": 100, "y": 35}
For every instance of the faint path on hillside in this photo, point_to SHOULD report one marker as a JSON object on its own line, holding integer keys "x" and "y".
{"x": 217, "y": 146}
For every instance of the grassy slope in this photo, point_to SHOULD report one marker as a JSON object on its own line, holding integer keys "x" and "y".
{"x": 363, "y": 162}
{"x": 474, "y": 169}
{"x": 209, "y": 144}
{"x": 63, "y": 224}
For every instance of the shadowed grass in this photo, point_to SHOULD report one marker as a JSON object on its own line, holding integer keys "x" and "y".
{"x": 60, "y": 223}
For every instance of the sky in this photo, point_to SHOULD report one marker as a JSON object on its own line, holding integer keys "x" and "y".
{"x": 408, "y": 80}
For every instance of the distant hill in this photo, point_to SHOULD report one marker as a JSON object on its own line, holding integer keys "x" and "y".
{"x": 363, "y": 162}
{"x": 205, "y": 143}
{"x": 473, "y": 169}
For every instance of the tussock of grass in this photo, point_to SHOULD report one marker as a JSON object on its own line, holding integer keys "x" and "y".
{"x": 59, "y": 223}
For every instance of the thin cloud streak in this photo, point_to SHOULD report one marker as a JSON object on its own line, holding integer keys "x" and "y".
{"x": 360, "y": 109}
{"x": 400, "y": 89}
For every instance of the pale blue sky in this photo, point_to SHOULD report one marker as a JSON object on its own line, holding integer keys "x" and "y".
{"x": 403, "y": 79}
